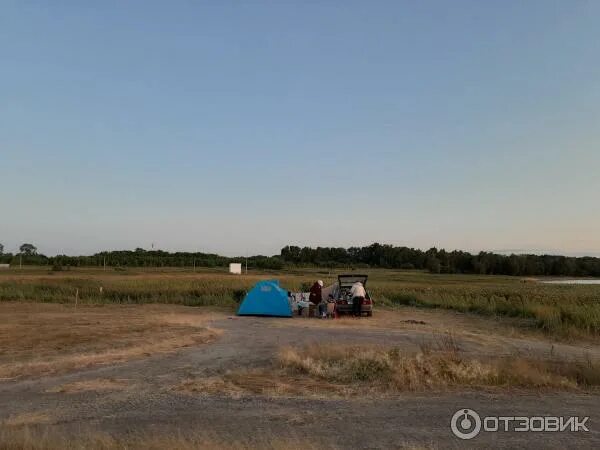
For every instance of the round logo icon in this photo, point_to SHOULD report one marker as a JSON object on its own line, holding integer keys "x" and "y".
{"x": 465, "y": 424}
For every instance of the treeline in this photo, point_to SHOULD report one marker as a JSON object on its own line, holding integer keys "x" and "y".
{"x": 374, "y": 255}
{"x": 138, "y": 258}
{"x": 441, "y": 261}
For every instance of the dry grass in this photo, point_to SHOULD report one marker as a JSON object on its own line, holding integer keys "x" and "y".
{"x": 28, "y": 418}
{"x": 247, "y": 383}
{"x": 41, "y": 339}
{"x": 95, "y": 385}
{"x": 378, "y": 371}
{"x": 27, "y": 438}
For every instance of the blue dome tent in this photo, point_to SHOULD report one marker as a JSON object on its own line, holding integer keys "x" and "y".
{"x": 266, "y": 299}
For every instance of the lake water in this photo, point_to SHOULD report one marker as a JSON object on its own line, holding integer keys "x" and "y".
{"x": 571, "y": 282}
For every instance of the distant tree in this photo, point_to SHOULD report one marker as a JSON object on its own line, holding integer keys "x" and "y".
{"x": 28, "y": 249}
{"x": 433, "y": 265}
{"x": 512, "y": 265}
{"x": 1, "y": 249}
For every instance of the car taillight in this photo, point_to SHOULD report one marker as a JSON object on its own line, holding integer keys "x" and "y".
{"x": 342, "y": 302}
{"x": 366, "y": 301}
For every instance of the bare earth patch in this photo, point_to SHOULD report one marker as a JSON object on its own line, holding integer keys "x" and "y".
{"x": 412, "y": 318}
{"x": 41, "y": 339}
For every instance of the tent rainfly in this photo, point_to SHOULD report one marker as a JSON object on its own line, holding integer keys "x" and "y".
{"x": 266, "y": 299}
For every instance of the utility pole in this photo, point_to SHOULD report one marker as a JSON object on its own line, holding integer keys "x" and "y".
{"x": 105, "y": 263}
{"x": 20, "y": 260}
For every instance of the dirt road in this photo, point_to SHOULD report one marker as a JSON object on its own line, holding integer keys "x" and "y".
{"x": 141, "y": 395}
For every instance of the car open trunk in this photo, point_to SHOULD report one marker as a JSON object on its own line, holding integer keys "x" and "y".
{"x": 345, "y": 284}
{"x": 346, "y": 281}
{"x": 342, "y": 296}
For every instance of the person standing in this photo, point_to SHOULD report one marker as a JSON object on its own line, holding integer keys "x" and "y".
{"x": 315, "y": 296}
{"x": 358, "y": 294}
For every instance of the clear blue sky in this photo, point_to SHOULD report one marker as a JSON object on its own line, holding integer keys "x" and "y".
{"x": 243, "y": 126}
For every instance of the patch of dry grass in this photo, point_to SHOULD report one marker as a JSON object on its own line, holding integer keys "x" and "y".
{"x": 95, "y": 385}
{"x": 42, "y": 339}
{"x": 27, "y": 438}
{"x": 346, "y": 371}
{"x": 65, "y": 363}
{"x": 28, "y": 418}
{"x": 243, "y": 383}
{"x": 439, "y": 365}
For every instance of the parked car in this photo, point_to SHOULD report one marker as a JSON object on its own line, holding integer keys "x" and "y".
{"x": 341, "y": 294}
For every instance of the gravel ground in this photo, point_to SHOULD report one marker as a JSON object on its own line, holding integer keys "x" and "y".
{"x": 147, "y": 402}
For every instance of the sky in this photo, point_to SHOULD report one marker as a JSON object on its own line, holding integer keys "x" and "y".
{"x": 241, "y": 127}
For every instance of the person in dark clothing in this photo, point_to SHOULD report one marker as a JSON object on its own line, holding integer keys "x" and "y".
{"x": 315, "y": 292}
{"x": 315, "y": 296}
{"x": 357, "y": 306}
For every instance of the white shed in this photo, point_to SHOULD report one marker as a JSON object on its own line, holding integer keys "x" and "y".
{"x": 235, "y": 268}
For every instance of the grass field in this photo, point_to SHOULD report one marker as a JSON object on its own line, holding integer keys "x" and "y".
{"x": 567, "y": 311}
